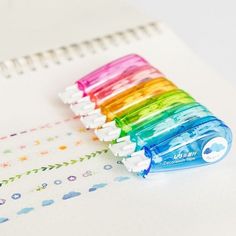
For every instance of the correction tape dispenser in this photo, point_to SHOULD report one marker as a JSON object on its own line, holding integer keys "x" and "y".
{"x": 148, "y": 121}
{"x": 89, "y": 105}
{"x": 203, "y": 142}
{"x": 139, "y": 113}
{"x": 168, "y": 123}
{"x": 119, "y": 104}
{"x": 99, "y": 77}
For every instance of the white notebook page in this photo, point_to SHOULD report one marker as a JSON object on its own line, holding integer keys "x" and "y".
{"x": 33, "y": 26}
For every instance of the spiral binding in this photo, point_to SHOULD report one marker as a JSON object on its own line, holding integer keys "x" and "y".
{"x": 34, "y": 62}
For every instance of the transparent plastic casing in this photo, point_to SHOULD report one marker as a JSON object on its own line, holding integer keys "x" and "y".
{"x": 167, "y": 124}
{"x": 135, "y": 96}
{"x": 109, "y": 72}
{"x": 206, "y": 141}
{"x": 166, "y": 128}
{"x": 134, "y": 117}
{"x": 129, "y": 78}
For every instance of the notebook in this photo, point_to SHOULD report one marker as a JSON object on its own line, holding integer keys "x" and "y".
{"x": 57, "y": 179}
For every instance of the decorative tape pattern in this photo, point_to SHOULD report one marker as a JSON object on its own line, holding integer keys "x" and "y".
{"x": 51, "y": 167}
{"x": 45, "y": 126}
{"x": 36, "y": 142}
{"x": 68, "y": 53}
{"x": 66, "y": 196}
{"x": 56, "y": 182}
{"x": 10, "y": 161}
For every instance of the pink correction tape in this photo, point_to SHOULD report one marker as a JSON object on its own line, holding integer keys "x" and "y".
{"x": 100, "y": 76}
{"x": 119, "y": 84}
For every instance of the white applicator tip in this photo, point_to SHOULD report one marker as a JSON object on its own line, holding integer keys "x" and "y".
{"x": 137, "y": 162}
{"x": 71, "y": 94}
{"x": 83, "y": 107}
{"x": 123, "y": 147}
{"x": 108, "y": 132}
{"x": 94, "y": 119}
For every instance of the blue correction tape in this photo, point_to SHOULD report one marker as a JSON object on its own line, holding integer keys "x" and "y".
{"x": 203, "y": 142}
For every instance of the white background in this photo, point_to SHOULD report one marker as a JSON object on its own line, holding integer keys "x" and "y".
{"x": 197, "y": 202}
{"x": 207, "y": 26}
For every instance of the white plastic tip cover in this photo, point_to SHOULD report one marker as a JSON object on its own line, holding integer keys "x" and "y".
{"x": 137, "y": 162}
{"x": 94, "y": 119}
{"x": 71, "y": 94}
{"x": 83, "y": 106}
{"x": 123, "y": 148}
{"x": 108, "y": 132}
